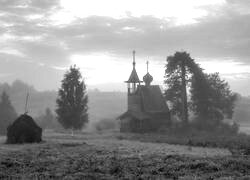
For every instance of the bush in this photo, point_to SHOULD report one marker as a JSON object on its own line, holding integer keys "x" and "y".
{"x": 227, "y": 129}
{"x": 105, "y": 124}
{"x": 219, "y": 128}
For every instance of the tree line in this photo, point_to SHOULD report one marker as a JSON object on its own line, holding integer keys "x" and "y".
{"x": 189, "y": 90}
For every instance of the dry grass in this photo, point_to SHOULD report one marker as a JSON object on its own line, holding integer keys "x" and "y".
{"x": 236, "y": 143}
{"x": 103, "y": 156}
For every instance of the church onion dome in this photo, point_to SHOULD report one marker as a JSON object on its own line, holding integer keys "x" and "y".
{"x": 147, "y": 79}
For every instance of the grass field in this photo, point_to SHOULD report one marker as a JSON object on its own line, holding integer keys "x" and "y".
{"x": 104, "y": 156}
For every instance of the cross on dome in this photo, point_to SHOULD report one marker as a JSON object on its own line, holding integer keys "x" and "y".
{"x": 147, "y": 78}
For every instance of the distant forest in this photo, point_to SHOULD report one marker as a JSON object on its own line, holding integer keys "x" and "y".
{"x": 102, "y": 105}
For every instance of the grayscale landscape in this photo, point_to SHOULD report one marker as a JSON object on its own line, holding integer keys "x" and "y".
{"x": 126, "y": 90}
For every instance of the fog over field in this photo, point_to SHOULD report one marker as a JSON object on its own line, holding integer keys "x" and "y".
{"x": 102, "y": 105}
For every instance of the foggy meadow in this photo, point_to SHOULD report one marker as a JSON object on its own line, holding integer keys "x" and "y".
{"x": 124, "y": 89}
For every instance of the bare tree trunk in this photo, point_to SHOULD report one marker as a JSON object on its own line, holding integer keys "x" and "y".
{"x": 184, "y": 94}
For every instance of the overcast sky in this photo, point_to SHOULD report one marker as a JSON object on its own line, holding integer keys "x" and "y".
{"x": 40, "y": 39}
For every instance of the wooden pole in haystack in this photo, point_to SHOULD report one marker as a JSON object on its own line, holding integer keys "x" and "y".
{"x": 26, "y": 104}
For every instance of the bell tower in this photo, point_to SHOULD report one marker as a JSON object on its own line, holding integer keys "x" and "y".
{"x": 133, "y": 80}
{"x": 134, "y": 103}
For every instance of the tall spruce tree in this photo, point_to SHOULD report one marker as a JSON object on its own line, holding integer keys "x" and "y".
{"x": 7, "y": 113}
{"x": 72, "y": 101}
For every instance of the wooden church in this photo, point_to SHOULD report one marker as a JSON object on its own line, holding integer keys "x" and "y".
{"x": 147, "y": 108}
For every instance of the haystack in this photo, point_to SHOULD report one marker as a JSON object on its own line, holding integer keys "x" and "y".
{"x": 24, "y": 130}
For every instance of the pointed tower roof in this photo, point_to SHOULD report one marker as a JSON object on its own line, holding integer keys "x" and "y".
{"x": 133, "y": 78}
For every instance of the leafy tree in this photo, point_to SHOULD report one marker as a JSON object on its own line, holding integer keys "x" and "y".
{"x": 177, "y": 75}
{"x": 72, "y": 101}
{"x": 7, "y": 113}
{"x": 173, "y": 92}
{"x": 212, "y": 99}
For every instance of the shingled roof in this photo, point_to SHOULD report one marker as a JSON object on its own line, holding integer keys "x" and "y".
{"x": 133, "y": 77}
{"x": 152, "y": 99}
